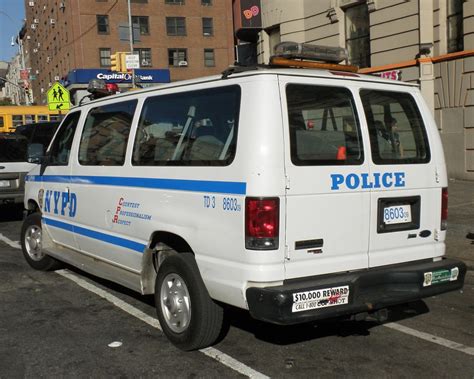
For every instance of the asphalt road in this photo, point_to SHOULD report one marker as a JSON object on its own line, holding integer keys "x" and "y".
{"x": 51, "y": 326}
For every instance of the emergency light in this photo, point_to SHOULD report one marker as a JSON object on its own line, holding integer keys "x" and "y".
{"x": 304, "y": 55}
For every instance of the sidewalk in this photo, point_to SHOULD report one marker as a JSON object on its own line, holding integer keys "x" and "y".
{"x": 460, "y": 221}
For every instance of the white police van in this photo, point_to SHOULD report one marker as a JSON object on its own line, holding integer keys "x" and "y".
{"x": 298, "y": 194}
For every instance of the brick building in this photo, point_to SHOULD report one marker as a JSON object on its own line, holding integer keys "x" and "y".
{"x": 429, "y": 42}
{"x": 72, "y": 40}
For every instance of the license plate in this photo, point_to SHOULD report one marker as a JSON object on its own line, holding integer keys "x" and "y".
{"x": 397, "y": 214}
{"x": 322, "y": 298}
{"x": 4, "y": 183}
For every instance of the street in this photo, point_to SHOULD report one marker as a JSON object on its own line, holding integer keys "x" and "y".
{"x": 70, "y": 324}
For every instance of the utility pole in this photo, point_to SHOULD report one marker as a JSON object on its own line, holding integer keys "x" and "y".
{"x": 130, "y": 30}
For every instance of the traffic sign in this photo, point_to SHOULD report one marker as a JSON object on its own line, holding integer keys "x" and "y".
{"x": 58, "y": 98}
{"x": 132, "y": 61}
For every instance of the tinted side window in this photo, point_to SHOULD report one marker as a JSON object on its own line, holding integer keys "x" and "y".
{"x": 105, "y": 135}
{"x": 196, "y": 128}
{"x": 44, "y": 132}
{"x": 324, "y": 128}
{"x": 397, "y": 132}
{"x": 61, "y": 147}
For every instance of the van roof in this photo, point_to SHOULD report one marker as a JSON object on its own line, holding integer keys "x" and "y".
{"x": 242, "y": 71}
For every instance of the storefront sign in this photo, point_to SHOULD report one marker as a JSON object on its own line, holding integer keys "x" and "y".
{"x": 83, "y": 76}
{"x": 392, "y": 75}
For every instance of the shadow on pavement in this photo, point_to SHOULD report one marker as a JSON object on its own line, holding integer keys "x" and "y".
{"x": 286, "y": 335}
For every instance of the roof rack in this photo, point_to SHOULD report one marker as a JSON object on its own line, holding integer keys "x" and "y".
{"x": 301, "y": 55}
{"x": 238, "y": 69}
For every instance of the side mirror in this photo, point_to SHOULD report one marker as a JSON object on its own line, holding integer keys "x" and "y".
{"x": 35, "y": 153}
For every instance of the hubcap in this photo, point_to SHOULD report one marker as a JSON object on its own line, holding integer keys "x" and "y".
{"x": 175, "y": 303}
{"x": 33, "y": 242}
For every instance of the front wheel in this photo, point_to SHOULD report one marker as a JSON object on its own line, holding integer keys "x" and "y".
{"x": 31, "y": 244}
{"x": 188, "y": 316}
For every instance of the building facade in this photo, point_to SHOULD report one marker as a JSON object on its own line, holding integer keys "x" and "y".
{"x": 175, "y": 40}
{"x": 429, "y": 42}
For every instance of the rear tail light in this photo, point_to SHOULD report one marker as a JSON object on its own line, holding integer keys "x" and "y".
{"x": 444, "y": 208}
{"x": 262, "y": 226}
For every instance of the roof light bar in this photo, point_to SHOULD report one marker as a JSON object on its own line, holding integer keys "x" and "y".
{"x": 311, "y": 52}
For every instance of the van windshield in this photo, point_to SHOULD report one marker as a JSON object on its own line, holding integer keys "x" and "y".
{"x": 397, "y": 132}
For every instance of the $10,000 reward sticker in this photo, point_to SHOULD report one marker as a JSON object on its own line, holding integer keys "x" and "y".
{"x": 322, "y": 298}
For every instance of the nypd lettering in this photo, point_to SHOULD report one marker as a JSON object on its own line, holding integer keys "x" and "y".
{"x": 367, "y": 181}
{"x": 60, "y": 203}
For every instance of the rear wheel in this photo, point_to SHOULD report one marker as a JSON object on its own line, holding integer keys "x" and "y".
{"x": 32, "y": 244}
{"x": 188, "y": 316}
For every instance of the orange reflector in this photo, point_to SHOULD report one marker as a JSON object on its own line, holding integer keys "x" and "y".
{"x": 285, "y": 62}
{"x": 341, "y": 153}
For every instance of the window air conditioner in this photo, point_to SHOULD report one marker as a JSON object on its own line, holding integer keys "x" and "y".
{"x": 35, "y": 50}
{"x": 182, "y": 63}
{"x": 33, "y": 26}
{"x": 56, "y": 78}
{"x": 31, "y": 3}
{"x": 62, "y": 5}
{"x": 28, "y": 37}
{"x": 52, "y": 21}
{"x": 37, "y": 72}
{"x": 36, "y": 21}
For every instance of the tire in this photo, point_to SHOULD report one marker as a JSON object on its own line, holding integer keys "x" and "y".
{"x": 188, "y": 316}
{"x": 31, "y": 244}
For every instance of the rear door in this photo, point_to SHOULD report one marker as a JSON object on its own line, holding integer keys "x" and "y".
{"x": 406, "y": 193}
{"x": 327, "y": 206}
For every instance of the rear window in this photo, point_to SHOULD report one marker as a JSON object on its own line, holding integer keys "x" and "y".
{"x": 324, "y": 129}
{"x": 13, "y": 149}
{"x": 397, "y": 132}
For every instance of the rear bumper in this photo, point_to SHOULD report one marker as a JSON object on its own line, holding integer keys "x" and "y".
{"x": 355, "y": 292}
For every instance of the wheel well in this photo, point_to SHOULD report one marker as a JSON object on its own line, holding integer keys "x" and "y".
{"x": 171, "y": 240}
{"x": 32, "y": 206}
{"x": 163, "y": 244}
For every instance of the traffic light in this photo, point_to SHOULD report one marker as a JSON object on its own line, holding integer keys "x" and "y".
{"x": 117, "y": 62}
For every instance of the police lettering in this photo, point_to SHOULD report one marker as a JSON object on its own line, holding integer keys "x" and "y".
{"x": 367, "y": 181}
{"x": 64, "y": 203}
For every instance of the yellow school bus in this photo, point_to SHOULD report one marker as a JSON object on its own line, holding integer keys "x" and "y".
{"x": 12, "y": 116}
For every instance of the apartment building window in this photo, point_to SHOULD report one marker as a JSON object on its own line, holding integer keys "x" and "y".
{"x": 455, "y": 26}
{"x": 103, "y": 24}
{"x": 175, "y": 26}
{"x": 178, "y": 57}
{"x": 145, "y": 57}
{"x": 142, "y": 22}
{"x": 207, "y": 26}
{"x": 358, "y": 35}
{"x": 139, "y": 1}
{"x": 175, "y": 2}
{"x": 209, "y": 59}
{"x": 206, "y": 2}
{"x": 104, "y": 56}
